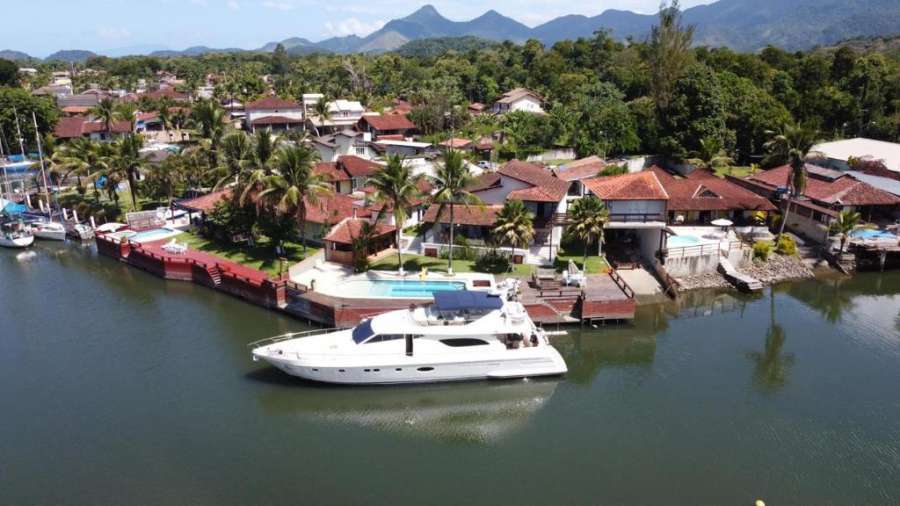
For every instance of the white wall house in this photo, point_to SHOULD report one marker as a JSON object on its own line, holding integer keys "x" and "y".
{"x": 519, "y": 99}
{"x": 345, "y": 142}
{"x": 273, "y": 112}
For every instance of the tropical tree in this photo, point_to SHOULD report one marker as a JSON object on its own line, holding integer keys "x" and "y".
{"x": 128, "y": 162}
{"x": 294, "y": 184}
{"x": 81, "y": 157}
{"x": 106, "y": 111}
{"x": 236, "y": 158}
{"x": 164, "y": 112}
{"x": 451, "y": 181}
{"x": 847, "y": 221}
{"x": 711, "y": 155}
{"x": 513, "y": 225}
{"x": 587, "y": 218}
{"x": 791, "y": 145}
{"x": 396, "y": 189}
{"x": 669, "y": 53}
{"x": 209, "y": 119}
{"x": 166, "y": 176}
{"x": 126, "y": 111}
{"x": 322, "y": 110}
{"x": 264, "y": 146}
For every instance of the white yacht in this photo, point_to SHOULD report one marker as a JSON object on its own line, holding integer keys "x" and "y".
{"x": 14, "y": 234}
{"x": 49, "y": 230}
{"x": 464, "y": 335}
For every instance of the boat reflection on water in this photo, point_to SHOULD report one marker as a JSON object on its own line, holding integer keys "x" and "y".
{"x": 472, "y": 412}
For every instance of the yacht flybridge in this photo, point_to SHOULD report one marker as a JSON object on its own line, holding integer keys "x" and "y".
{"x": 464, "y": 335}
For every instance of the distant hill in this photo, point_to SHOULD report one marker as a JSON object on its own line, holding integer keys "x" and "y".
{"x": 71, "y": 56}
{"x": 743, "y": 25}
{"x": 9, "y": 54}
{"x": 440, "y": 45}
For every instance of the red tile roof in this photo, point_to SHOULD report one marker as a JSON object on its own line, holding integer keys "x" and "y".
{"x": 334, "y": 208}
{"x": 349, "y": 229}
{"x": 456, "y": 143}
{"x": 844, "y": 190}
{"x": 705, "y": 192}
{"x": 331, "y": 172}
{"x": 206, "y": 203}
{"x": 580, "y": 169}
{"x": 484, "y": 216}
{"x": 272, "y": 103}
{"x": 358, "y": 167}
{"x": 389, "y": 122}
{"x": 547, "y": 188}
{"x": 167, "y": 92}
{"x": 79, "y": 126}
{"x": 486, "y": 181}
{"x": 642, "y": 185}
{"x": 276, "y": 120}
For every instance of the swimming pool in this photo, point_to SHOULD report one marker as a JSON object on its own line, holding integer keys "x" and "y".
{"x": 680, "y": 241}
{"x": 155, "y": 234}
{"x": 395, "y": 288}
{"x": 872, "y": 234}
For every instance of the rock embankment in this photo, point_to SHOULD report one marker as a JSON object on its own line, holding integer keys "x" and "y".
{"x": 776, "y": 269}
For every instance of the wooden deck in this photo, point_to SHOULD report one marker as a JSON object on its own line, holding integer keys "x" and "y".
{"x": 605, "y": 297}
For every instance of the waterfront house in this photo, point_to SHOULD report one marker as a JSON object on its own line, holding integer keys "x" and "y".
{"x": 386, "y": 125}
{"x": 473, "y": 222}
{"x": 338, "y": 243}
{"x": 273, "y": 113}
{"x": 576, "y": 171}
{"x": 827, "y": 193}
{"x": 638, "y": 206}
{"x": 868, "y": 160}
{"x": 518, "y": 99}
{"x": 701, "y": 197}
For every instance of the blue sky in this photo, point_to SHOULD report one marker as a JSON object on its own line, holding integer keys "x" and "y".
{"x": 44, "y": 26}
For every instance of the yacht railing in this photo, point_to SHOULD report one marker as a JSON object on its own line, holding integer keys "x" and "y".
{"x": 292, "y": 335}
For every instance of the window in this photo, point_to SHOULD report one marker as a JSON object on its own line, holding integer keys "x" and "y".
{"x": 360, "y": 150}
{"x": 459, "y": 342}
{"x": 425, "y": 369}
{"x": 363, "y": 331}
{"x": 385, "y": 337}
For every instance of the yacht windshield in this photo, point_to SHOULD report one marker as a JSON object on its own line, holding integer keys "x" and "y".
{"x": 362, "y": 332}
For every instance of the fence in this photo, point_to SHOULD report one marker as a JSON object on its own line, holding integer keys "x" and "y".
{"x": 712, "y": 248}
{"x": 434, "y": 249}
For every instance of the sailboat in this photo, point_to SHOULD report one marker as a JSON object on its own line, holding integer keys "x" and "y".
{"x": 47, "y": 230}
{"x": 14, "y": 233}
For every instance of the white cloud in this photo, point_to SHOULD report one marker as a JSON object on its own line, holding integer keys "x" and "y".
{"x": 353, "y": 26}
{"x": 233, "y": 5}
{"x": 113, "y": 33}
{"x": 281, "y": 6}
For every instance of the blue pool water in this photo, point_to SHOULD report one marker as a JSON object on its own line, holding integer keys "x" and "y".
{"x": 402, "y": 289}
{"x": 679, "y": 241}
{"x": 872, "y": 234}
{"x": 153, "y": 235}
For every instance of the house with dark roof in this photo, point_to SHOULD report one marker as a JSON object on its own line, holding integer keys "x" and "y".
{"x": 72, "y": 127}
{"x": 385, "y": 125}
{"x": 349, "y": 173}
{"x": 701, "y": 197}
{"x": 273, "y": 113}
{"x": 827, "y": 193}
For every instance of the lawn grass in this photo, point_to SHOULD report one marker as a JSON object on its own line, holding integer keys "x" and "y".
{"x": 743, "y": 171}
{"x": 415, "y": 263}
{"x": 575, "y": 252}
{"x": 260, "y": 256}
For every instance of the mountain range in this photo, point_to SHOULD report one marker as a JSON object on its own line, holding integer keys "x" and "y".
{"x": 744, "y": 25}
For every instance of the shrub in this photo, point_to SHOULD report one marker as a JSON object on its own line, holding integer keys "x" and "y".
{"x": 786, "y": 246}
{"x": 493, "y": 262}
{"x": 762, "y": 250}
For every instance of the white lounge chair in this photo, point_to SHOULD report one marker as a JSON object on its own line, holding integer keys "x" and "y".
{"x": 573, "y": 275}
{"x": 175, "y": 248}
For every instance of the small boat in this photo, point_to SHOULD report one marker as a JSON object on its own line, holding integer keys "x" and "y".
{"x": 464, "y": 335}
{"x": 49, "y": 230}
{"x": 15, "y": 234}
{"x": 81, "y": 232}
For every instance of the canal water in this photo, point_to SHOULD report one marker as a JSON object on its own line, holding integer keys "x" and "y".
{"x": 121, "y": 388}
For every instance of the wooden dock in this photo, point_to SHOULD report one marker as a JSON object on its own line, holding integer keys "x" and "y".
{"x": 604, "y": 297}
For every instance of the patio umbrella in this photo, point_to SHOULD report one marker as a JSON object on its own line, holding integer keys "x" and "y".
{"x": 722, "y": 222}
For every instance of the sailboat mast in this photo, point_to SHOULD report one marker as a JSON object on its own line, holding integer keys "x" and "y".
{"x": 19, "y": 133}
{"x": 8, "y": 192}
{"x": 37, "y": 137}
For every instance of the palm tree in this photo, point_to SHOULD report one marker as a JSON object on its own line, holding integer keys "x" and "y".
{"x": 587, "y": 218}
{"x": 323, "y": 111}
{"x": 82, "y": 158}
{"x": 396, "y": 189}
{"x": 128, "y": 161}
{"x": 711, "y": 154}
{"x": 236, "y": 154}
{"x": 791, "y": 145}
{"x": 105, "y": 111}
{"x": 209, "y": 119}
{"x": 164, "y": 113}
{"x": 451, "y": 182}
{"x": 167, "y": 175}
{"x": 264, "y": 146}
{"x": 126, "y": 111}
{"x": 513, "y": 225}
{"x": 847, "y": 221}
{"x": 294, "y": 184}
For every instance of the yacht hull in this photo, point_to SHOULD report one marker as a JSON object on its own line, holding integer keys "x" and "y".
{"x": 50, "y": 235}
{"x": 18, "y": 242}
{"x": 542, "y": 361}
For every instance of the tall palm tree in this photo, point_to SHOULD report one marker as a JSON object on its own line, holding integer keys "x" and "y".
{"x": 236, "y": 157}
{"x": 82, "y": 158}
{"x": 264, "y": 146}
{"x": 164, "y": 112}
{"x": 587, "y": 218}
{"x": 128, "y": 161}
{"x": 396, "y": 189}
{"x": 451, "y": 182}
{"x": 167, "y": 175}
{"x": 294, "y": 184}
{"x": 513, "y": 225}
{"x": 791, "y": 145}
{"x": 105, "y": 111}
{"x": 209, "y": 119}
{"x": 323, "y": 111}
{"x": 126, "y": 111}
{"x": 847, "y": 221}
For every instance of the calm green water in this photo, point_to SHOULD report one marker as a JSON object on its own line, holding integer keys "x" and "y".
{"x": 121, "y": 388}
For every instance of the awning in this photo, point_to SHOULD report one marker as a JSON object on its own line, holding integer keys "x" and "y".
{"x": 464, "y": 299}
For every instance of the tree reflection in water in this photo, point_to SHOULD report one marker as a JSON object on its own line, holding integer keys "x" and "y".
{"x": 771, "y": 365}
